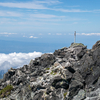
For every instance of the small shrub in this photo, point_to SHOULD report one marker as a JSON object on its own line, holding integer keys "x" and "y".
{"x": 6, "y": 91}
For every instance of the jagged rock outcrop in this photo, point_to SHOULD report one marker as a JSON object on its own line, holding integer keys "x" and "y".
{"x": 96, "y": 45}
{"x": 68, "y": 74}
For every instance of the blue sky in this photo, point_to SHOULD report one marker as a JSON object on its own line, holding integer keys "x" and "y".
{"x": 36, "y": 19}
{"x": 43, "y": 26}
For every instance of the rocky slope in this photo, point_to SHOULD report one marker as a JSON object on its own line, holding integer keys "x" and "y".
{"x": 68, "y": 74}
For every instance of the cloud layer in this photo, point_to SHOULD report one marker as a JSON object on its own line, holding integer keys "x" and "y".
{"x": 16, "y": 60}
{"x": 33, "y": 37}
{"x": 89, "y": 34}
{"x": 6, "y": 33}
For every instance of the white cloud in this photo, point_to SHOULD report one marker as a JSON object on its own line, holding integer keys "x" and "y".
{"x": 33, "y": 37}
{"x": 75, "y": 22}
{"x": 30, "y": 5}
{"x": 58, "y": 33}
{"x": 96, "y": 11}
{"x": 46, "y": 16}
{"x": 27, "y": 5}
{"x": 43, "y": 16}
{"x": 16, "y": 60}
{"x": 6, "y": 33}
{"x": 49, "y": 33}
{"x": 40, "y": 34}
{"x": 9, "y": 13}
{"x": 24, "y": 36}
{"x": 73, "y": 6}
{"x": 40, "y": 5}
{"x": 71, "y": 10}
{"x": 88, "y": 34}
{"x": 49, "y": 2}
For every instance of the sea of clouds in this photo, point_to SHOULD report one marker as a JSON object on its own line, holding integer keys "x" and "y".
{"x": 16, "y": 60}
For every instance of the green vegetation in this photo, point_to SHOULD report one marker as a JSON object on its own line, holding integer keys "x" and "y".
{"x": 91, "y": 68}
{"x": 29, "y": 87}
{"x": 76, "y": 44}
{"x": 53, "y": 72}
{"x": 6, "y": 91}
{"x": 65, "y": 94}
{"x": 47, "y": 68}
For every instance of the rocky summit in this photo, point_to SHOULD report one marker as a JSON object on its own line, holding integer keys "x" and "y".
{"x": 68, "y": 74}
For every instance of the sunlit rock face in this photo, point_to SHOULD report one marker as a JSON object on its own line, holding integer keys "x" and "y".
{"x": 71, "y": 73}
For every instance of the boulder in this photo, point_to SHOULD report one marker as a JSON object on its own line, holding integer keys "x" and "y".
{"x": 80, "y": 96}
{"x": 78, "y": 77}
{"x": 93, "y": 95}
{"x": 58, "y": 82}
{"x": 96, "y": 45}
{"x": 74, "y": 88}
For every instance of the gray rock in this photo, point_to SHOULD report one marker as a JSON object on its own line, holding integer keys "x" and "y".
{"x": 93, "y": 95}
{"x": 96, "y": 45}
{"x": 80, "y": 96}
{"x": 66, "y": 74}
{"x": 78, "y": 77}
{"x": 74, "y": 88}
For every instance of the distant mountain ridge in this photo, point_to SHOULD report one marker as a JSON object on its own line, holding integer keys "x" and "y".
{"x": 68, "y": 74}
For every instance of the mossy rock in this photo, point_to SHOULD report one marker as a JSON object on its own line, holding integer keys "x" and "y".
{"x": 77, "y": 45}
{"x": 6, "y": 91}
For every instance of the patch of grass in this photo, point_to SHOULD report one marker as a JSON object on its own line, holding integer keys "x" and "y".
{"x": 47, "y": 68}
{"x": 65, "y": 94}
{"x": 91, "y": 68}
{"x": 29, "y": 87}
{"x": 76, "y": 44}
{"x": 6, "y": 91}
{"x": 53, "y": 72}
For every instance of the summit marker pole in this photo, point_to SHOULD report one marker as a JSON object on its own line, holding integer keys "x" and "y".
{"x": 75, "y": 37}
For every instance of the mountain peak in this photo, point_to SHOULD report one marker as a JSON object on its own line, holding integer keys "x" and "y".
{"x": 77, "y": 45}
{"x": 68, "y": 74}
